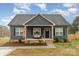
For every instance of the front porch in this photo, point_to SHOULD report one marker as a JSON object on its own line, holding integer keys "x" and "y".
{"x": 38, "y": 33}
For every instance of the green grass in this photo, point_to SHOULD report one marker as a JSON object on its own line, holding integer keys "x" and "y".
{"x": 76, "y": 41}
{"x": 64, "y": 46}
{"x": 73, "y": 44}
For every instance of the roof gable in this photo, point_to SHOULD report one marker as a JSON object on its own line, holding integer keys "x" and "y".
{"x": 38, "y": 20}
{"x": 20, "y": 19}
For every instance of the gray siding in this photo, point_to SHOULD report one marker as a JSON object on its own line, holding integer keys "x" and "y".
{"x": 64, "y": 31}
{"x": 12, "y": 32}
{"x": 39, "y": 20}
{"x": 29, "y": 32}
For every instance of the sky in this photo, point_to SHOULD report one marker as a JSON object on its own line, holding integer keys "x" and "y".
{"x": 8, "y": 10}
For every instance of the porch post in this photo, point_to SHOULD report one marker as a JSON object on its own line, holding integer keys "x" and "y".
{"x": 67, "y": 31}
{"x": 25, "y": 34}
{"x": 52, "y": 32}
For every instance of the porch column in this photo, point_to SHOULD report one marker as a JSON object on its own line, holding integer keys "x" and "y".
{"x": 25, "y": 34}
{"x": 52, "y": 32}
{"x": 67, "y": 31}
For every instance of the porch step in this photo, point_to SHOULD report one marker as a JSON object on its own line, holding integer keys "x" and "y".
{"x": 49, "y": 42}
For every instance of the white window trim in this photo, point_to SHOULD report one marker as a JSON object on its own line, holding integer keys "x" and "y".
{"x": 19, "y": 31}
{"x": 59, "y": 30}
{"x": 36, "y": 29}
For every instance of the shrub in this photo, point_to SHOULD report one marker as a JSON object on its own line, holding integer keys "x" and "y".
{"x": 40, "y": 41}
{"x": 56, "y": 39}
{"x": 65, "y": 40}
{"x": 19, "y": 39}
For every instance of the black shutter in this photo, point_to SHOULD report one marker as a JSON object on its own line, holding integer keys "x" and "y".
{"x": 14, "y": 31}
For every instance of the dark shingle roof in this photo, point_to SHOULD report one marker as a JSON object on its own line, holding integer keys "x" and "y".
{"x": 20, "y": 19}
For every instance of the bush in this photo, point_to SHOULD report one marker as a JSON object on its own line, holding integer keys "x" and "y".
{"x": 65, "y": 40}
{"x": 40, "y": 41}
{"x": 56, "y": 39}
{"x": 20, "y": 39}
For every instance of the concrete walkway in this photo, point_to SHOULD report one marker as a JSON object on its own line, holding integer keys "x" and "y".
{"x": 5, "y": 50}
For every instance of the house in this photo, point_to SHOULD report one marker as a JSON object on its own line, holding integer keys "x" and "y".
{"x": 38, "y": 26}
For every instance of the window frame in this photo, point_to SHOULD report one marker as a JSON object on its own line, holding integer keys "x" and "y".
{"x": 59, "y": 31}
{"x": 18, "y": 31}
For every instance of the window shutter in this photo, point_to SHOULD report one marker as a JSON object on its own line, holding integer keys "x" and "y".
{"x": 14, "y": 31}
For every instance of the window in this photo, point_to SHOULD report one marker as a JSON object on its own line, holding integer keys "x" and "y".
{"x": 18, "y": 31}
{"x": 36, "y": 32}
{"x": 58, "y": 31}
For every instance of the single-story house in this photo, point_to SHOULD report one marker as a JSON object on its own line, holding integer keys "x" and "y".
{"x": 38, "y": 26}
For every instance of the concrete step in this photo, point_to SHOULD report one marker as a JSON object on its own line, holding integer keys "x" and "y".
{"x": 49, "y": 42}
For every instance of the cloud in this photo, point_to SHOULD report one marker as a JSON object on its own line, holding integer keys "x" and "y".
{"x": 69, "y": 5}
{"x": 59, "y": 11}
{"x": 23, "y": 6}
{"x": 42, "y": 6}
{"x": 6, "y": 20}
{"x": 18, "y": 11}
{"x": 73, "y": 10}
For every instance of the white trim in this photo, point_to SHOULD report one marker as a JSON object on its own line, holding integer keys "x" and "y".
{"x": 25, "y": 33}
{"x": 39, "y": 25}
{"x": 58, "y": 29}
{"x": 10, "y": 34}
{"x": 52, "y": 32}
{"x": 67, "y": 31}
{"x": 30, "y": 19}
{"x": 19, "y": 31}
{"x": 46, "y": 29}
{"x": 39, "y": 39}
{"x": 40, "y": 15}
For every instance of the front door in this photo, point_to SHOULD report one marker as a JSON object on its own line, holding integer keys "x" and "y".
{"x": 46, "y": 34}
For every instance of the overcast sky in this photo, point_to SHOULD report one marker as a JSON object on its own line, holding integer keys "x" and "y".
{"x": 8, "y": 11}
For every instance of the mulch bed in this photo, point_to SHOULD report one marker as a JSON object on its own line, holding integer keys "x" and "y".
{"x": 23, "y": 44}
{"x": 36, "y": 44}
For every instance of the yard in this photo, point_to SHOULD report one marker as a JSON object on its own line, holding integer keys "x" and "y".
{"x": 62, "y": 49}
{"x": 3, "y": 40}
{"x": 70, "y": 48}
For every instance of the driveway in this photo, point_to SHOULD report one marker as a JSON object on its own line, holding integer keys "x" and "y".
{"x": 6, "y": 50}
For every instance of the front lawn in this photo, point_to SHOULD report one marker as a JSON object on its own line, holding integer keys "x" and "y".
{"x": 3, "y": 40}
{"x": 62, "y": 49}
{"x": 45, "y": 52}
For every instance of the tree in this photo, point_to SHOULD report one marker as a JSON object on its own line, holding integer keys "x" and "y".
{"x": 75, "y": 26}
{"x": 4, "y": 31}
